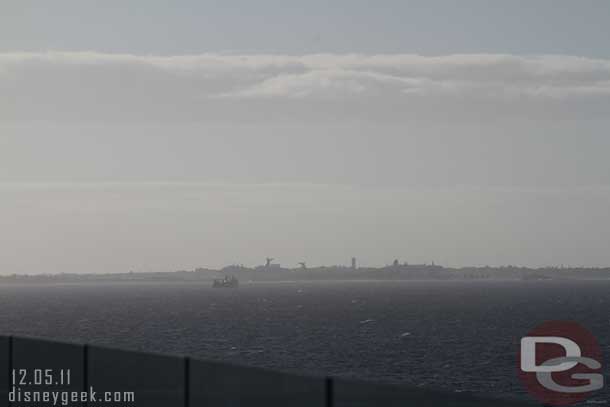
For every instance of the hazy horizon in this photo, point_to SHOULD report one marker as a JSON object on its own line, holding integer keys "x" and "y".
{"x": 211, "y": 134}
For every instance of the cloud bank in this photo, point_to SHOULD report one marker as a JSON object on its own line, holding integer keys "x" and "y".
{"x": 90, "y": 84}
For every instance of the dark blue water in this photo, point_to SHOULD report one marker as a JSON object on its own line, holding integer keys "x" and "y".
{"x": 462, "y": 336}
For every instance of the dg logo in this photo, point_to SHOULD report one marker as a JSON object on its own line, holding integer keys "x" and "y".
{"x": 560, "y": 363}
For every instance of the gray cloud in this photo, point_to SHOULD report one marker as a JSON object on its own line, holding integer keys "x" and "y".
{"x": 51, "y": 85}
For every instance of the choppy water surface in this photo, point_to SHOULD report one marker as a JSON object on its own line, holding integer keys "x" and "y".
{"x": 455, "y": 335}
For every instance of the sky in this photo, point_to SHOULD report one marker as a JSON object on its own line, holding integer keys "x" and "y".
{"x": 155, "y": 136}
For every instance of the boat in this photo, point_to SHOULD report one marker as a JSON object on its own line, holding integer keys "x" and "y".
{"x": 226, "y": 282}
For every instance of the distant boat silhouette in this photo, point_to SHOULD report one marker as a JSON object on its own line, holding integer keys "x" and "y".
{"x": 226, "y": 282}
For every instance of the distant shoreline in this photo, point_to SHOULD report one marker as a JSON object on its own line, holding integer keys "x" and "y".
{"x": 397, "y": 272}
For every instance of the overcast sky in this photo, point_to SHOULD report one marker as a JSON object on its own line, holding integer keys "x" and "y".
{"x": 150, "y": 135}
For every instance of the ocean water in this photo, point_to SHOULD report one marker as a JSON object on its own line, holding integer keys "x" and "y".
{"x": 461, "y": 336}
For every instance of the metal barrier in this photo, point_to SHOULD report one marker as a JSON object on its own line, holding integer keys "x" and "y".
{"x": 35, "y": 366}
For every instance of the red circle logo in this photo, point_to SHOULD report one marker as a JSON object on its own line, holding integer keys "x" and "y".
{"x": 560, "y": 363}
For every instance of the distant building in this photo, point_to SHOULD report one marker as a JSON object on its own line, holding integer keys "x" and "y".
{"x": 269, "y": 265}
{"x": 353, "y": 263}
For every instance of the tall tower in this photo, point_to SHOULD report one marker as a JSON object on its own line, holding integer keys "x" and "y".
{"x": 353, "y": 263}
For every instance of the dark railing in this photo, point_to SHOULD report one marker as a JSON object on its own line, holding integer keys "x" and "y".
{"x": 169, "y": 381}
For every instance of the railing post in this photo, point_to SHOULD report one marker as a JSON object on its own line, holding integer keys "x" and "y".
{"x": 10, "y": 367}
{"x": 86, "y": 370}
{"x": 187, "y": 381}
{"x": 330, "y": 397}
